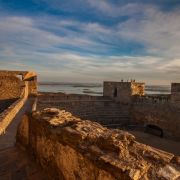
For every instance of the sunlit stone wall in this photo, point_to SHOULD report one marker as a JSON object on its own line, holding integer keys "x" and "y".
{"x": 69, "y": 148}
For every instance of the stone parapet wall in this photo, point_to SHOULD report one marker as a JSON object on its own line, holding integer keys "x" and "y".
{"x": 69, "y": 148}
{"x": 102, "y": 110}
{"x": 152, "y": 99}
{"x": 48, "y": 96}
{"x": 165, "y": 115}
{"x": 7, "y": 116}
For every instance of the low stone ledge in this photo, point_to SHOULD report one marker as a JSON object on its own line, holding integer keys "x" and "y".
{"x": 8, "y": 114}
{"x": 70, "y": 148}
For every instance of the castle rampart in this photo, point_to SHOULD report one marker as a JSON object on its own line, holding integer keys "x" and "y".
{"x": 69, "y": 148}
{"x": 162, "y": 115}
{"x": 96, "y": 108}
{"x": 8, "y": 114}
{"x": 15, "y": 87}
{"x": 129, "y": 107}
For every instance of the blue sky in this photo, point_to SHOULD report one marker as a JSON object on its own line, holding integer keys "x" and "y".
{"x": 92, "y": 40}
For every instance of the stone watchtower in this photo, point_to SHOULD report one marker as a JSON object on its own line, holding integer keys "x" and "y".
{"x": 175, "y": 92}
{"x": 123, "y": 91}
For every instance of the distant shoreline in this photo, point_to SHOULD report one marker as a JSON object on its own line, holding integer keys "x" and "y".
{"x": 93, "y": 88}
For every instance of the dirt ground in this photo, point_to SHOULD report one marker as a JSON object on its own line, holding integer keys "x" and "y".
{"x": 157, "y": 142}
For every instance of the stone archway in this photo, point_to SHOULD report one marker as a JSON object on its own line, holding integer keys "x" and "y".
{"x": 154, "y": 130}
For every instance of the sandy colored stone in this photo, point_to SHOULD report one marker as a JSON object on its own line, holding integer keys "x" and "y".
{"x": 70, "y": 148}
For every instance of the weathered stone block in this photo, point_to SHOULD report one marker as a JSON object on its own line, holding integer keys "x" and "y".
{"x": 70, "y": 148}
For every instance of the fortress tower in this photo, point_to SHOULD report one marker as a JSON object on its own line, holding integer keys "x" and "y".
{"x": 175, "y": 92}
{"x": 123, "y": 91}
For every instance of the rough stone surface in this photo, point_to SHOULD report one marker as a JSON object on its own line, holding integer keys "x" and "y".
{"x": 22, "y": 76}
{"x": 96, "y": 108}
{"x": 10, "y": 87}
{"x": 70, "y": 148}
{"x": 16, "y": 165}
{"x": 164, "y": 116}
{"x": 15, "y": 87}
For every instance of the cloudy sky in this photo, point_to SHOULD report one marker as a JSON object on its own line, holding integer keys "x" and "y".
{"x": 92, "y": 40}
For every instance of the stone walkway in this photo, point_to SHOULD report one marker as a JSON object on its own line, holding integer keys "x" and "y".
{"x": 15, "y": 164}
{"x": 9, "y": 138}
{"x": 157, "y": 142}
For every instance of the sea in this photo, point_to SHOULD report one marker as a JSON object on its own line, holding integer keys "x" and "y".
{"x": 93, "y": 88}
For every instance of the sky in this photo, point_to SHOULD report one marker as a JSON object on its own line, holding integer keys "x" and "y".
{"x": 92, "y": 40}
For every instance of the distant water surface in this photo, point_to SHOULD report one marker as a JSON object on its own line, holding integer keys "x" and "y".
{"x": 93, "y": 88}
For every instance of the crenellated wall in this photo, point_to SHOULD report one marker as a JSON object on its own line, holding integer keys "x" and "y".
{"x": 69, "y": 148}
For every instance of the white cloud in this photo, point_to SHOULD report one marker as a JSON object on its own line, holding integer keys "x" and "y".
{"x": 43, "y": 45}
{"x": 158, "y": 31}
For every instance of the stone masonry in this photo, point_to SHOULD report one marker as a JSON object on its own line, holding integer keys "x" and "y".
{"x": 69, "y": 148}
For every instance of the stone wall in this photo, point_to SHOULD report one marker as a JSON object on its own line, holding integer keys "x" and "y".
{"x": 144, "y": 110}
{"x": 68, "y": 148}
{"x": 10, "y": 87}
{"x": 95, "y": 108}
{"x": 163, "y": 115}
{"x": 123, "y": 91}
{"x": 8, "y": 115}
{"x": 119, "y": 91}
{"x": 15, "y": 87}
{"x": 27, "y": 76}
{"x": 175, "y": 92}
